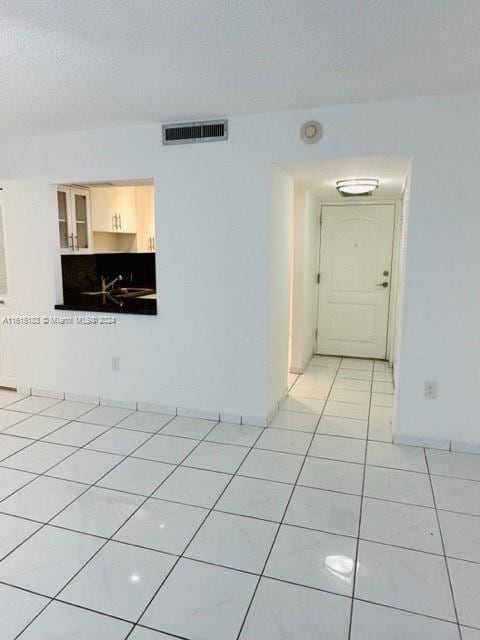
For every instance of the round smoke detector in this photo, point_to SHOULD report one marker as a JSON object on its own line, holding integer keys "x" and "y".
{"x": 311, "y": 132}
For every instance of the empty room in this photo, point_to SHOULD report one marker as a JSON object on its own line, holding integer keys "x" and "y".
{"x": 239, "y": 354}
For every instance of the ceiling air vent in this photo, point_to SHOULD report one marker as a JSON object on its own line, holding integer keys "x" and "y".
{"x": 187, "y": 132}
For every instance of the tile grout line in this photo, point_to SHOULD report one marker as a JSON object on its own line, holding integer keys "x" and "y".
{"x": 252, "y": 599}
{"x": 234, "y": 475}
{"x": 45, "y": 473}
{"x": 290, "y": 582}
{"x": 217, "y": 510}
{"x": 209, "y": 511}
{"x": 197, "y": 505}
{"x": 85, "y": 446}
{"x": 222, "y": 511}
{"x": 67, "y": 422}
{"x": 357, "y": 550}
{"x": 115, "y": 617}
{"x": 443, "y": 545}
{"x": 88, "y": 487}
{"x": 110, "y": 538}
{"x": 240, "y": 446}
{"x": 108, "y": 428}
{"x": 155, "y": 460}
{"x": 48, "y": 473}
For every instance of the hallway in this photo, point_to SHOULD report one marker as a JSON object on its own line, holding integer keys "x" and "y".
{"x": 351, "y": 397}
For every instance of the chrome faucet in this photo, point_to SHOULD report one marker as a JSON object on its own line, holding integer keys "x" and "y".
{"x": 108, "y": 285}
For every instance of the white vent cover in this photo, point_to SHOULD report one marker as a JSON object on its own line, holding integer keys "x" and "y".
{"x": 3, "y": 259}
{"x": 189, "y": 132}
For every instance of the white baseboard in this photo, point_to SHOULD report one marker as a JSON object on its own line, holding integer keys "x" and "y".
{"x": 46, "y": 393}
{"x": 122, "y": 404}
{"x": 297, "y": 370}
{"x": 152, "y": 407}
{"x": 218, "y": 416}
{"x": 23, "y": 390}
{"x": 255, "y": 421}
{"x": 272, "y": 414}
{"x": 205, "y": 414}
{"x": 260, "y": 421}
{"x": 80, "y": 397}
{"x": 416, "y": 441}
{"x": 437, "y": 443}
{"x": 232, "y": 418}
{"x": 465, "y": 447}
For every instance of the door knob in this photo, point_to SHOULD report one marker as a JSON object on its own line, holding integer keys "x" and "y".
{"x": 382, "y": 284}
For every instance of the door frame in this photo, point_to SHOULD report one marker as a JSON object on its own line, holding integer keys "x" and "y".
{"x": 9, "y": 382}
{"x": 394, "y": 281}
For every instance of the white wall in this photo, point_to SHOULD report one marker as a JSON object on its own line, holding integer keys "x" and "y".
{"x": 398, "y": 273}
{"x": 305, "y": 268}
{"x": 3, "y": 158}
{"x": 209, "y": 344}
{"x": 206, "y": 348}
{"x": 280, "y": 252}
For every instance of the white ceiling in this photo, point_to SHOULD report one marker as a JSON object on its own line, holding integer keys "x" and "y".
{"x": 321, "y": 177}
{"x": 85, "y": 63}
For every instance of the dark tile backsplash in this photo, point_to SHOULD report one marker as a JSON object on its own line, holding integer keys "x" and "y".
{"x": 83, "y": 273}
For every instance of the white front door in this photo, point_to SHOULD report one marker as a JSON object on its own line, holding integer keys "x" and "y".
{"x": 355, "y": 276}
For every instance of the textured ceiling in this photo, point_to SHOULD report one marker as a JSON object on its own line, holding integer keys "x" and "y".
{"x": 85, "y": 63}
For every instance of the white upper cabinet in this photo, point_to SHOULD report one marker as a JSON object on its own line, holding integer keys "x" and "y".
{"x": 74, "y": 220}
{"x": 114, "y": 209}
{"x": 106, "y": 219}
{"x": 145, "y": 218}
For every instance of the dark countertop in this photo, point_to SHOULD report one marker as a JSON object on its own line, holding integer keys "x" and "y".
{"x": 107, "y": 304}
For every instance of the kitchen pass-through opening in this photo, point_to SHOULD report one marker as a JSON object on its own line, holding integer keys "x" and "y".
{"x": 106, "y": 234}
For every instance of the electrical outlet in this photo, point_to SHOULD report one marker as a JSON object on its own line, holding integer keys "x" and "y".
{"x": 430, "y": 390}
{"x": 115, "y": 363}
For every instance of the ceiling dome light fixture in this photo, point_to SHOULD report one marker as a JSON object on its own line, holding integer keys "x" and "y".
{"x": 357, "y": 186}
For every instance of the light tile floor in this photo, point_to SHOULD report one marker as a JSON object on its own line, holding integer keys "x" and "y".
{"x": 118, "y": 524}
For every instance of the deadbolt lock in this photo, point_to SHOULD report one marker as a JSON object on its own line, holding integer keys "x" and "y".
{"x": 385, "y": 273}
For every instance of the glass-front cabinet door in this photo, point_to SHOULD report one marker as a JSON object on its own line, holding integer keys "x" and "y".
{"x": 81, "y": 221}
{"x": 74, "y": 220}
{"x": 63, "y": 220}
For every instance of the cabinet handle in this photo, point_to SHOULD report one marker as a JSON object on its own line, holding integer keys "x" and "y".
{"x": 70, "y": 242}
{"x": 114, "y": 222}
{"x": 120, "y": 220}
{"x": 76, "y": 243}
{"x": 153, "y": 243}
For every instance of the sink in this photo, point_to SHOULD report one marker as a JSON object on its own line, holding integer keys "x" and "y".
{"x": 122, "y": 292}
